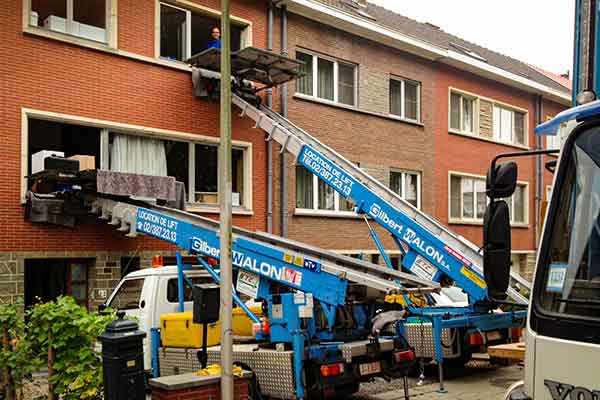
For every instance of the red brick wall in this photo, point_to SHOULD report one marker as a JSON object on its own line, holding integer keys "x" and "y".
{"x": 366, "y": 139}
{"x": 464, "y": 154}
{"x": 48, "y": 75}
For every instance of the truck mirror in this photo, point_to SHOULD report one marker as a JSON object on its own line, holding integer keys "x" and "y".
{"x": 501, "y": 180}
{"x": 496, "y": 249}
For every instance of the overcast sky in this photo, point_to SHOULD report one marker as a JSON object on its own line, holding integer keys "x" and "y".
{"x": 539, "y": 32}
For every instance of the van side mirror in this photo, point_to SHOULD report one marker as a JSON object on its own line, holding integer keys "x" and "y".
{"x": 101, "y": 308}
{"x": 501, "y": 180}
{"x": 496, "y": 249}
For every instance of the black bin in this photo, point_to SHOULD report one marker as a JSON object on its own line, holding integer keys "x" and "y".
{"x": 123, "y": 360}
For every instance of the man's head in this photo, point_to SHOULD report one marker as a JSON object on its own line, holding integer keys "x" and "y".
{"x": 215, "y": 33}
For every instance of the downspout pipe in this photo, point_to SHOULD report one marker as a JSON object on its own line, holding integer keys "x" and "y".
{"x": 539, "y": 171}
{"x": 284, "y": 113}
{"x": 270, "y": 142}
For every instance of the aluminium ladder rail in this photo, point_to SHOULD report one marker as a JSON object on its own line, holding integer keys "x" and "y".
{"x": 293, "y": 138}
{"x": 125, "y": 216}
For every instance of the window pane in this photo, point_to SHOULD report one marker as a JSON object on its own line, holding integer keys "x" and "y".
{"x": 237, "y": 176}
{"x": 410, "y": 100}
{"x": 206, "y": 173}
{"x": 506, "y": 127}
{"x": 467, "y": 197}
{"x": 519, "y": 204}
{"x": 519, "y": 128}
{"x": 172, "y": 33}
{"x": 45, "y": 9}
{"x": 305, "y": 84}
{"x": 467, "y": 115}
{"x": 455, "y": 111}
{"x": 325, "y": 79}
{"x": 346, "y": 83}
{"x": 346, "y": 204}
{"x": 411, "y": 187}
{"x": 395, "y": 97}
{"x": 173, "y": 289}
{"x": 90, "y": 12}
{"x": 128, "y": 296}
{"x": 304, "y": 188}
{"x": 497, "y": 122}
{"x": 326, "y": 196}
{"x": 481, "y": 197}
{"x": 177, "y": 161}
{"x": 455, "y": 197}
{"x": 396, "y": 182}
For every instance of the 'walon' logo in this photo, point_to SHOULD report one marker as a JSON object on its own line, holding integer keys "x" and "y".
{"x": 563, "y": 391}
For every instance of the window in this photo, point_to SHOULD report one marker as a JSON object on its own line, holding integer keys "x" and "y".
{"x": 82, "y": 18}
{"x": 184, "y": 33}
{"x": 173, "y": 291}
{"x": 468, "y": 200}
{"x": 315, "y": 195}
{"x": 461, "y": 113}
{"x": 194, "y": 164}
{"x": 407, "y": 185}
{"x": 128, "y": 295}
{"x": 405, "y": 99}
{"x": 327, "y": 79}
{"x": 509, "y": 126}
{"x": 553, "y": 142}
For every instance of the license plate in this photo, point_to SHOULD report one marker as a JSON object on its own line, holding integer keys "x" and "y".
{"x": 369, "y": 368}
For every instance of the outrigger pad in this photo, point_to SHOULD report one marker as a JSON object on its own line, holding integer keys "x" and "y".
{"x": 252, "y": 64}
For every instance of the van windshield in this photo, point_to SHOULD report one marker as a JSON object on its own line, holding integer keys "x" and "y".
{"x": 571, "y": 271}
{"x": 128, "y": 295}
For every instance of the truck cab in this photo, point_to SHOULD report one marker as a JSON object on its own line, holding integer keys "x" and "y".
{"x": 151, "y": 292}
{"x": 563, "y": 328}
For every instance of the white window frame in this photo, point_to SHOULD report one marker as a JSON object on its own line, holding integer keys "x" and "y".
{"x": 106, "y": 127}
{"x": 189, "y": 7}
{"x": 476, "y": 118}
{"x": 512, "y": 111}
{"x": 110, "y": 24}
{"x": 403, "y": 99}
{"x": 479, "y": 221}
{"x": 404, "y": 173}
{"x": 315, "y": 81}
{"x": 337, "y": 199}
{"x": 474, "y": 115}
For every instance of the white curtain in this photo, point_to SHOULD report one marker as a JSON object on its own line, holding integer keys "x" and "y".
{"x": 138, "y": 155}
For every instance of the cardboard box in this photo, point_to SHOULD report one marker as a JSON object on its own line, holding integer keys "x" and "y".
{"x": 85, "y": 162}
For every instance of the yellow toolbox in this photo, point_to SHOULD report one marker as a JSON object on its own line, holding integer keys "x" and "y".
{"x": 179, "y": 329}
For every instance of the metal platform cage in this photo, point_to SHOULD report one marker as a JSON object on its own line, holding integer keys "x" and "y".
{"x": 274, "y": 369}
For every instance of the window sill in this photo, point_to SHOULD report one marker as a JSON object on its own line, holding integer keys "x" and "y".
{"x": 473, "y": 136}
{"x": 305, "y": 97}
{"x": 91, "y": 44}
{"x": 202, "y": 209}
{"x": 480, "y": 223}
{"x": 302, "y": 212}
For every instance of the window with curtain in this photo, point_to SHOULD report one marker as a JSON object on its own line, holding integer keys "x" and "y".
{"x": 508, "y": 125}
{"x": 138, "y": 155}
{"x": 468, "y": 200}
{"x": 315, "y": 195}
{"x": 461, "y": 113}
{"x": 304, "y": 84}
{"x": 405, "y": 98}
{"x": 407, "y": 184}
{"x": 327, "y": 78}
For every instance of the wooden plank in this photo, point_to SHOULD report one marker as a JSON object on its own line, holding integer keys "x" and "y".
{"x": 512, "y": 351}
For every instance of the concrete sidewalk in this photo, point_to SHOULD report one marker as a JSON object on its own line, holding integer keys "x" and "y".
{"x": 473, "y": 384}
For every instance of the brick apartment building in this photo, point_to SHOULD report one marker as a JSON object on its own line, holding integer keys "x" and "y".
{"x": 419, "y": 109}
{"x": 380, "y": 90}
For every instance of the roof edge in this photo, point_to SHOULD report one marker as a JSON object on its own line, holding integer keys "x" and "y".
{"x": 340, "y": 19}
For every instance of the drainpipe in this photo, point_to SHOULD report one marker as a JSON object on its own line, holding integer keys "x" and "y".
{"x": 284, "y": 113}
{"x": 270, "y": 142}
{"x": 539, "y": 171}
